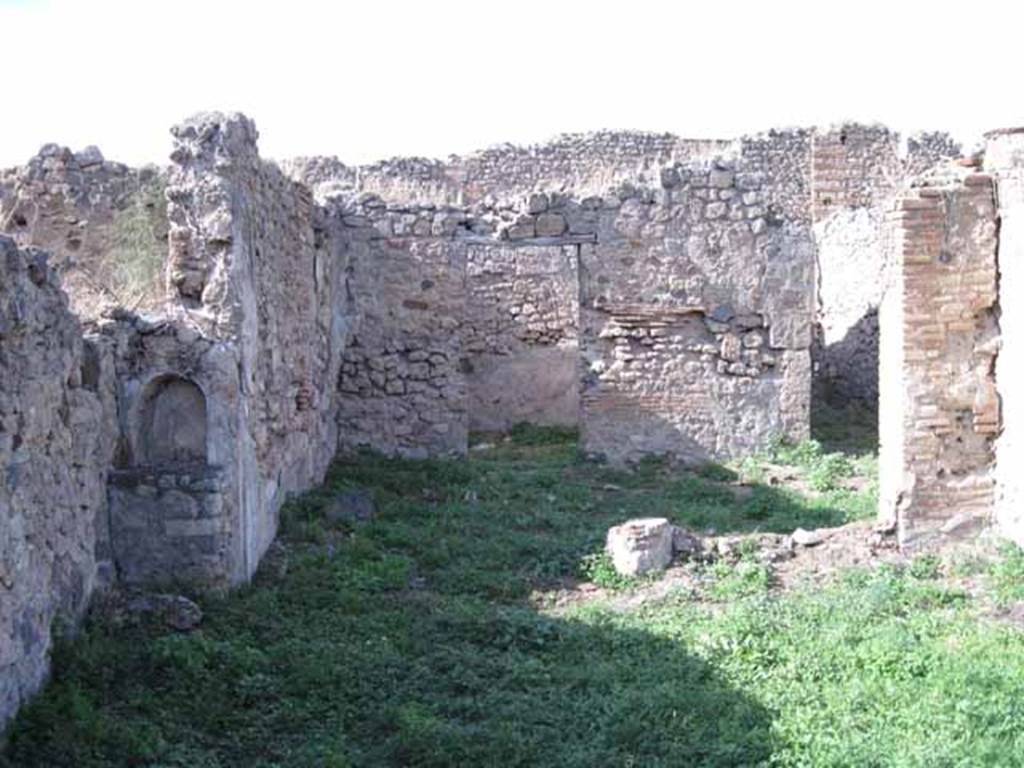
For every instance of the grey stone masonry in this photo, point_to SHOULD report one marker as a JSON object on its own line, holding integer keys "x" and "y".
{"x": 55, "y": 449}
{"x": 696, "y": 313}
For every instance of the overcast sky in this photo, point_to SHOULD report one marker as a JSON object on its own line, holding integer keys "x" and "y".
{"x": 370, "y": 79}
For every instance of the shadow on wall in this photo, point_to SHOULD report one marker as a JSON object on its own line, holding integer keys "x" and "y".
{"x": 848, "y": 368}
{"x": 538, "y": 385}
{"x": 172, "y": 423}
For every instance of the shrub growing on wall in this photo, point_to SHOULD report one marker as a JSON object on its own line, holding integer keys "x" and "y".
{"x": 133, "y": 265}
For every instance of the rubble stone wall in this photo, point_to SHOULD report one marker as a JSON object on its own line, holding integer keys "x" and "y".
{"x": 257, "y": 276}
{"x": 696, "y": 311}
{"x": 520, "y": 340}
{"x": 105, "y": 225}
{"x": 939, "y": 406}
{"x": 580, "y": 164}
{"x": 403, "y": 384}
{"x": 54, "y": 452}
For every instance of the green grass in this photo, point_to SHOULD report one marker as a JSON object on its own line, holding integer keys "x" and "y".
{"x": 412, "y": 640}
{"x": 1006, "y": 576}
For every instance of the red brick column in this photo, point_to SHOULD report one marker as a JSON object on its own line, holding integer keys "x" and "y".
{"x": 939, "y": 407}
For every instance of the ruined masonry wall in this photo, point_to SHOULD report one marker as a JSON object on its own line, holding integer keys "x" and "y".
{"x": 105, "y": 225}
{"x": 580, "y": 163}
{"x": 402, "y": 384}
{"x": 940, "y": 336}
{"x": 855, "y": 172}
{"x": 258, "y": 275}
{"x": 583, "y": 164}
{"x": 839, "y": 177}
{"x": 54, "y": 453}
{"x": 696, "y": 310}
{"x": 294, "y": 331}
{"x": 520, "y": 339}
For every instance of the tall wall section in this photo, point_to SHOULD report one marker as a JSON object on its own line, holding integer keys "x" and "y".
{"x": 259, "y": 328}
{"x": 697, "y": 307}
{"x": 1004, "y": 158}
{"x": 54, "y": 450}
{"x": 856, "y": 170}
{"x": 939, "y": 405}
{"x": 402, "y": 385}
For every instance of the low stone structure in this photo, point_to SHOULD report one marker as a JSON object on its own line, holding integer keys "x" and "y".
{"x": 641, "y": 546}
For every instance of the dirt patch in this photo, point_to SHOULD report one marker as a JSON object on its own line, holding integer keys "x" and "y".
{"x": 789, "y": 564}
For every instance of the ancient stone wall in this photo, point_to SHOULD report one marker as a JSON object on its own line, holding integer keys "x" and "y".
{"x": 260, "y": 328}
{"x": 939, "y": 407}
{"x": 520, "y": 338}
{"x": 490, "y": 296}
{"x": 696, "y": 311}
{"x": 54, "y": 449}
{"x": 855, "y": 172}
{"x": 104, "y": 223}
{"x": 402, "y": 384}
{"x": 1004, "y": 157}
{"x": 839, "y": 177}
{"x": 581, "y": 164}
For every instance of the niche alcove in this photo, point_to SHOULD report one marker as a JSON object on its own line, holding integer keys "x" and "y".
{"x": 168, "y": 516}
{"x": 172, "y": 423}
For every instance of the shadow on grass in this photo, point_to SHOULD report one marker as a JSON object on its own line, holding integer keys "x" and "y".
{"x": 406, "y": 643}
{"x": 407, "y": 681}
{"x": 409, "y": 640}
{"x": 851, "y": 428}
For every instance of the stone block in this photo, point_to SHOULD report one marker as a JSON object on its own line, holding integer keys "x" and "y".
{"x": 550, "y": 225}
{"x": 640, "y": 546}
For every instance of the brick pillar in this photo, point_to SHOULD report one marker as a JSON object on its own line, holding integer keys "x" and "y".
{"x": 939, "y": 408}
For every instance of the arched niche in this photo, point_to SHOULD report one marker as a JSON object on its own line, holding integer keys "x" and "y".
{"x": 172, "y": 423}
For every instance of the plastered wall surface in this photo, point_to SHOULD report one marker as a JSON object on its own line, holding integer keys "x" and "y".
{"x": 1004, "y": 158}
